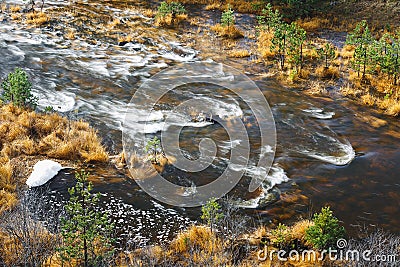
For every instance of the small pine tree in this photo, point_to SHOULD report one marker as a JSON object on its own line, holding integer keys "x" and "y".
{"x": 280, "y": 43}
{"x": 211, "y": 213}
{"x": 361, "y": 37}
{"x": 326, "y": 230}
{"x": 17, "y": 89}
{"x": 297, "y": 37}
{"x": 171, "y": 8}
{"x": 86, "y": 232}
{"x": 228, "y": 17}
{"x": 153, "y": 149}
{"x": 281, "y": 236}
{"x": 388, "y": 56}
{"x": 327, "y": 53}
{"x": 270, "y": 18}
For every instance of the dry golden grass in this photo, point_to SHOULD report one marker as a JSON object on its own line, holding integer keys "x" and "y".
{"x": 212, "y": 6}
{"x": 298, "y": 230}
{"x": 239, "y": 53}
{"x": 17, "y": 16}
{"x": 70, "y": 34}
{"x": 383, "y": 84}
{"x": 316, "y": 88}
{"x": 24, "y": 132}
{"x": 168, "y": 20}
{"x": 309, "y": 53}
{"x": 329, "y": 73}
{"x": 196, "y": 246}
{"x": 313, "y": 24}
{"x": 15, "y": 8}
{"x": 355, "y": 79}
{"x": 350, "y": 91}
{"x": 390, "y": 105}
{"x": 6, "y": 179}
{"x": 8, "y": 200}
{"x": 25, "y": 146}
{"x": 149, "y": 13}
{"x": 49, "y": 134}
{"x": 304, "y": 73}
{"x": 374, "y": 90}
{"x": 7, "y": 251}
{"x": 195, "y": 236}
{"x": 138, "y": 167}
{"x": 199, "y": 244}
{"x": 368, "y": 100}
{"x": 37, "y": 19}
{"x": 34, "y": 236}
{"x": 113, "y": 23}
{"x": 231, "y": 32}
{"x": 264, "y": 43}
{"x": 394, "y": 109}
{"x": 347, "y": 51}
{"x": 125, "y": 39}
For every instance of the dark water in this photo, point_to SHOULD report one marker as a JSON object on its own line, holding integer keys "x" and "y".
{"x": 326, "y": 153}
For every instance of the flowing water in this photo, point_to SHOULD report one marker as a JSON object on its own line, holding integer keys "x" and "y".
{"x": 326, "y": 151}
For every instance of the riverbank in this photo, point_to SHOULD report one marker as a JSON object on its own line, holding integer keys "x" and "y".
{"x": 27, "y": 137}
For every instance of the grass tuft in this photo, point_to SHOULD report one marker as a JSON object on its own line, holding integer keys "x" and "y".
{"x": 37, "y": 19}
{"x": 231, "y": 32}
{"x": 313, "y": 24}
{"x": 15, "y": 8}
{"x": 264, "y": 44}
{"x": 327, "y": 73}
{"x": 239, "y": 53}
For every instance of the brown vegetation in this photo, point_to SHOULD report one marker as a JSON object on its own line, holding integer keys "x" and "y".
{"x": 15, "y": 8}
{"x": 37, "y": 18}
{"x": 328, "y": 73}
{"x": 264, "y": 44}
{"x": 198, "y": 246}
{"x": 24, "y": 132}
{"x": 32, "y": 236}
{"x": 239, "y": 53}
{"x": 314, "y": 24}
{"x": 170, "y": 20}
{"x": 231, "y": 32}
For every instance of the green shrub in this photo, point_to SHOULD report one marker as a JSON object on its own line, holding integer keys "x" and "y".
{"x": 327, "y": 53}
{"x": 153, "y": 149}
{"x": 17, "y": 89}
{"x": 288, "y": 39}
{"x": 388, "y": 55}
{"x": 228, "y": 17}
{"x": 281, "y": 236}
{"x": 211, "y": 213}
{"x": 364, "y": 54}
{"x": 173, "y": 8}
{"x": 326, "y": 230}
{"x": 270, "y": 18}
{"x": 297, "y": 37}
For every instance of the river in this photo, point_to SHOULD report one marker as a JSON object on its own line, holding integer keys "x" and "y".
{"x": 327, "y": 153}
